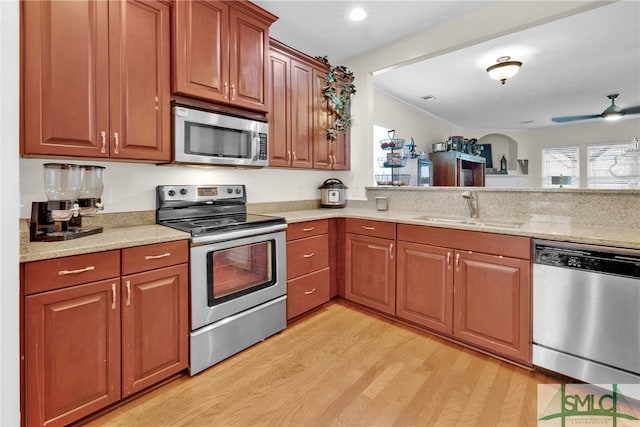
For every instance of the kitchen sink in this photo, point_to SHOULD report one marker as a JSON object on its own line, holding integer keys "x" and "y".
{"x": 471, "y": 221}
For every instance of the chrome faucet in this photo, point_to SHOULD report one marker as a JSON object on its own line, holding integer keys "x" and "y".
{"x": 472, "y": 202}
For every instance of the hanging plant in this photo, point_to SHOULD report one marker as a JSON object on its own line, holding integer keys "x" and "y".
{"x": 338, "y": 90}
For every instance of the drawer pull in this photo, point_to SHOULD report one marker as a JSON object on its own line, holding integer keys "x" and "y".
{"x": 113, "y": 295}
{"x": 80, "y": 270}
{"x": 164, "y": 255}
{"x": 308, "y": 255}
{"x": 308, "y": 229}
{"x": 128, "y": 292}
{"x": 310, "y": 292}
{"x": 368, "y": 228}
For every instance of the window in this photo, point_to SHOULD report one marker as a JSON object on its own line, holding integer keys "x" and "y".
{"x": 560, "y": 167}
{"x": 599, "y": 159}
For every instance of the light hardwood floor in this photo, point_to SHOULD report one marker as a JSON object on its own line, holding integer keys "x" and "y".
{"x": 341, "y": 366}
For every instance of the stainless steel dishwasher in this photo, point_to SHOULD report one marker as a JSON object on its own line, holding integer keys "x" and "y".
{"x": 586, "y": 312}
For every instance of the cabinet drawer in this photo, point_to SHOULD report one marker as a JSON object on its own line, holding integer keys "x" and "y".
{"x": 307, "y": 292}
{"x": 386, "y": 230}
{"x": 307, "y": 255}
{"x": 301, "y": 230}
{"x": 149, "y": 257}
{"x": 57, "y": 273}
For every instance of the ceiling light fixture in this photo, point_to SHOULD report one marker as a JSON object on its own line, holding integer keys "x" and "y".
{"x": 357, "y": 14}
{"x": 504, "y": 69}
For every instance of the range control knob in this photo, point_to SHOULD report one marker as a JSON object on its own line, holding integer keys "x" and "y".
{"x": 238, "y": 190}
{"x": 574, "y": 262}
{"x": 229, "y": 190}
{"x": 183, "y": 191}
{"x": 171, "y": 193}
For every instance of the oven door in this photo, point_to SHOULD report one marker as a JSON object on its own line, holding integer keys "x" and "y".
{"x": 232, "y": 276}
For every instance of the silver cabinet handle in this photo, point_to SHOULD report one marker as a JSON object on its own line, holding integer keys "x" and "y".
{"x": 116, "y": 138}
{"x": 113, "y": 295}
{"x": 80, "y": 270}
{"x": 233, "y": 92}
{"x": 448, "y": 260}
{"x": 295, "y": 159}
{"x": 103, "y": 137}
{"x": 128, "y": 292}
{"x": 457, "y": 261}
{"x": 288, "y": 159}
{"x": 391, "y": 251}
{"x": 308, "y": 229}
{"x": 226, "y": 91}
{"x": 368, "y": 228}
{"x": 308, "y": 255}
{"x": 164, "y": 255}
{"x": 310, "y": 292}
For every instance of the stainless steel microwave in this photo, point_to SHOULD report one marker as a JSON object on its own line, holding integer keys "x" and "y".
{"x": 210, "y": 138}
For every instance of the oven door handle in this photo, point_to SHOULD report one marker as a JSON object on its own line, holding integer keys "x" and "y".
{"x": 237, "y": 234}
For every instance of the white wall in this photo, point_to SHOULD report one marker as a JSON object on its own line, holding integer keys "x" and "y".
{"x": 391, "y": 113}
{"x": 131, "y": 186}
{"x": 493, "y": 20}
{"x": 9, "y": 193}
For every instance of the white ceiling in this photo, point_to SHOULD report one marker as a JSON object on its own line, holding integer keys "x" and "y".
{"x": 569, "y": 65}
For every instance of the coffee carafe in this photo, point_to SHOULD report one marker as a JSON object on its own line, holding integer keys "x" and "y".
{"x": 72, "y": 191}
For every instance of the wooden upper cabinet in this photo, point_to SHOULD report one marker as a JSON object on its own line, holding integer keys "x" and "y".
{"x": 200, "y": 39}
{"x": 96, "y": 79}
{"x": 290, "y": 108}
{"x": 65, "y": 78}
{"x": 220, "y": 52}
{"x": 140, "y": 73}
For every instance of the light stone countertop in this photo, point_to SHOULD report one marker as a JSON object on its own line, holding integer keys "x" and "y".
{"x": 540, "y": 228}
{"x": 136, "y": 235}
{"x": 110, "y": 238}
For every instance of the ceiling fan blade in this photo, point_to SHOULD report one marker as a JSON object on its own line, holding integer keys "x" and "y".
{"x": 631, "y": 110}
{"x": 574, "y": 118}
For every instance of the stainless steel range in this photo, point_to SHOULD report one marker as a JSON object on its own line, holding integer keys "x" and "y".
{"x": 238, "y": 268}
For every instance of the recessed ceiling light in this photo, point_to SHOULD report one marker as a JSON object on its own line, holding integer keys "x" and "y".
{"x": 357, "y": 14}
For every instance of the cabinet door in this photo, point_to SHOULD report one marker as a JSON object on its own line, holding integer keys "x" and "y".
{"x": 321, "y": 146}
{"x": 425, "y": 286}
{"x": 65, "y": 78}
{"x": 139, "y": 71}
{"x": 154, "y": 326}
{"x": 301, "y": 114}
{"x": 370, "y": 272}
{"x": 492, "y": 304}
{"x": 201, "y": 50}
{"x": 248, "y": 65}
{"x": 279, "y": 110}
{"x": 72, "y": 352}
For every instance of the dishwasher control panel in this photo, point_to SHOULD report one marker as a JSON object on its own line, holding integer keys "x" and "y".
{"x": 586, "y": 257}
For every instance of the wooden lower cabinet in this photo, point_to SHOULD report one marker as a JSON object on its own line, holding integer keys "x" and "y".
{"x": 308, "y": 268}
{"x": 492, "y": 304}
{"x": 477, "y": 291}
{"x": 154, "y": 326}
{"x": 425, "y": 286}
{"x": 72, "y": 349}
{"x": 370, "y": 272}
{"x": 87, "y": 345}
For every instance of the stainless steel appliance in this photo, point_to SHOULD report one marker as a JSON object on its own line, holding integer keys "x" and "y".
{"x": 237, "y": 268}
{"x": 586, "y": 312}
{"x": 333, "y": 194}
{"x": 73, "y": 192}
{"x": 211, "y": 138}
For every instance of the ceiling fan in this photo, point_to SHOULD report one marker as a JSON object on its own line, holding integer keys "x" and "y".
{"x": 610, "y": 112}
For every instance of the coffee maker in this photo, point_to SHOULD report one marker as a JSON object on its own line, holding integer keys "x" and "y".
{"x": 73, "y": 192}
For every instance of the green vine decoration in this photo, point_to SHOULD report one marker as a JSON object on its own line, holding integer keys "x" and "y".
{"x": 337, "y": 91}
